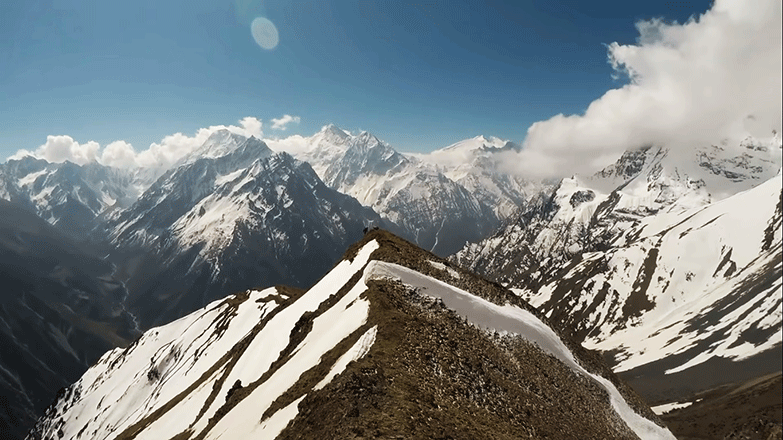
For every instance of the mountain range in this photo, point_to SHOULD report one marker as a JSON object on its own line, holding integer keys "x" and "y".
{"x": 667, "y": 263}
{"x": 440, "y": 201}
{"x": 229, "y": 216}
{"x": 670, "y": 265}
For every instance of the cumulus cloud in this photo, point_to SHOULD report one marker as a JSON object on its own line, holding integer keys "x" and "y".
{"x": 119, "y": 154}
{"x": 292, "y": 145}
{"x": 62, "y": 148}
{"x": 715, "y": 79}
{"x": 176, "y": 146}
{"x": 282, "y": 123}
{"x": 160, "y": 155}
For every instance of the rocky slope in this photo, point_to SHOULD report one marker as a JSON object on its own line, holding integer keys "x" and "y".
{"x": 745, "y": 410}
{"x": 60, "y": 309}
{"x": 393, "y": 341}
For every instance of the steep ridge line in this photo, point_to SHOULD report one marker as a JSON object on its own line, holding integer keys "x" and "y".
{"x": 511, "y": 319}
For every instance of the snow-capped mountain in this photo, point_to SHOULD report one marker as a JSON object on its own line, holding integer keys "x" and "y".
{"x": 239, "y": 216}
{"x": 60, "y": 310}
{"x": 324, "y": 148}
{"x": 474, "y": 164}
{"x": 585, "y": 214}
{"x": 68, "y": 196}
{"x": 392, "y": 341}
{"x": 671, "y": 265}
{"x": 432, "y": 209}
{"x": 681, "y": 291}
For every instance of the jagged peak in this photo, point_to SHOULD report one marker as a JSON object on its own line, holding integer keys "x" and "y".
{"x": 224, "y": 135}
{"x": 367, "y": 137}
{"x": 224, "y": 142}
{"x": 366, "y": 141}
{"x": 331, "y": 129}
{"x": 630, "y": 163}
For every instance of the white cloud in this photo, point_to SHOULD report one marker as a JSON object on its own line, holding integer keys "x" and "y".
{"x": 119, "y": 154}
{"x": 281, "y": 123}
{"x": 159, "y": 156}
{"x": 62, "y": 148}
{"x": 715, "y": 78}
{"x": 292, "y": 145}
{"x": 250, "y": 126}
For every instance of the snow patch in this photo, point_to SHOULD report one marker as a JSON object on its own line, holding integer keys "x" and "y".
{"x": 356, "y": 352}
{"x": 662, "y": 409}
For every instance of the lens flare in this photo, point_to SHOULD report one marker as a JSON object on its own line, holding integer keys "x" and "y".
{"x": 265, "y": 33}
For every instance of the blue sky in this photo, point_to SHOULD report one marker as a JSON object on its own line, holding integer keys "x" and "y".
{"x": 420, "y": 75}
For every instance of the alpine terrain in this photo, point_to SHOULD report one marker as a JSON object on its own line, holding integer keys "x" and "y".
{"x": 440, "y": 201}
{"x": 670, "y": 265}
{"x": 231, "y": 215}
{"x": 91, "y": 255}
{"x": 392, "y": 342}
{"x": 69, "y": 196}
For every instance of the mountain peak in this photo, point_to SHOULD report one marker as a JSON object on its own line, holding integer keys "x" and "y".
{"x": 223, "y": 136}
{"x": 333, "y": 130}
{"x": 219, "y": 144}
{"x": 368, "y": 140}
{"x": 328, "y": 138}
{"x": 478, "y": 143}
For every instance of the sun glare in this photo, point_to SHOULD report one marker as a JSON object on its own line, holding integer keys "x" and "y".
{"x": 265, "y": 33}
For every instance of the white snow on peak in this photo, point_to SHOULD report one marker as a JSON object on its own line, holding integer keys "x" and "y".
{"x": 463, "y": 153}
{"x": 222, "y": 143}
{"x": 218, "y": 144}
{"x": 696, "y": 258}
{"x": 476, "y": 143}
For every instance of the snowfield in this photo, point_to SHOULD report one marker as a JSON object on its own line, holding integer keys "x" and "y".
{"x": 705, "y": 264}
